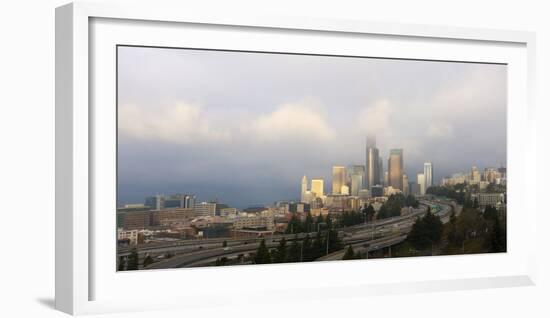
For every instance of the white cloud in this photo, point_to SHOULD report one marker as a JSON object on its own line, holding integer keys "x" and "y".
{"x": 440, "y": 130}
{"x": 292, "y": 122}
{"x": 376, "y": 118}
{"x": 180, "y": 123}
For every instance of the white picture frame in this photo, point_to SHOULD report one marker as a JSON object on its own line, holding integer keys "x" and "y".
{"x": 79, "y": 169}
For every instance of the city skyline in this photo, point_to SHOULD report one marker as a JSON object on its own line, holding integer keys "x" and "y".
{"x": 248, "y": 142}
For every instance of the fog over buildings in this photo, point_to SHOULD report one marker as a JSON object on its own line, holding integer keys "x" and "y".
{"x": 245, "y": 127}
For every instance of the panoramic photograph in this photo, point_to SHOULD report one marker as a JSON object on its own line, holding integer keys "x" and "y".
{"x": 240, "y": 158}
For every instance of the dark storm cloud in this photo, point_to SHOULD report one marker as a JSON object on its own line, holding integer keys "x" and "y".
{"x": 245, "y": 127}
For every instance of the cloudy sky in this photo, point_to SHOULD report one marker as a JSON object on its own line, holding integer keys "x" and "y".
{"x": 244, "y": 128}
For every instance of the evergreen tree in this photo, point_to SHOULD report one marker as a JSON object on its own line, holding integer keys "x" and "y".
{"x": 147, "y": 261}
{"x": 383, "y": 212}
{"x": 475, "y": 203}
{"x": 318, "y": 244}
{"x": 132, "y": 260}
{"x": 281, "y": 252}
{"x": 426, "y": 231}
{"x": 454, "y": 237}
{"x": 350, "y": 254}
{"x": 263, "y": 256}
{"x": 490, "y": 213}
{"x": 294, "y": 225}
{"x": 224, "y": 244}
{"x": 121, "y": 263}
{"x": 306, "y": 249}
{"x": 497, "y": 239}
{"x": 319, "y": 219}
{"x": 294, "y": 250}
{"x": 308, "y": 224}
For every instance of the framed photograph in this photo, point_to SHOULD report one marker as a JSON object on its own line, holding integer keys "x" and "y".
{"x": 266, "y": 153}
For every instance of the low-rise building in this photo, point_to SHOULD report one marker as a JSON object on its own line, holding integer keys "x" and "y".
{"x": 205, "y": 209}
{"x": 130, "y": 235}
{"x": 254, "y": 222}
{"x": 492, "y": 199}
{"x": 170, "y": 217}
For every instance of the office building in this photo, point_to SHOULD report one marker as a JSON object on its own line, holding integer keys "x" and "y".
{"x": 360, "y": 170}
{"x": 475, "y": 176}
{"x": 405, "y": 185}
{"x": 377, "y": 191}
{"x": 188, "y": 201}
{"x": 428, "y": 175}
{"x": 421, "y": 181}
{"x": 356, "y": 184}
{"x": 492, "y": 199}
{"x": 317, "y": 187}
{"x": 155, "y": 202}
{"x": 381, "y": 171}
{"x": 338, "y": 179}
{"x": 228, "y": 211}
{"x": 171, "y": 216}
{"x": 372, "y": 162}
{"x": 304, "y": 189}
{"x": 395, "y": 169}
{"x": 205, "y": 209}
{"x": 344, "y": 190}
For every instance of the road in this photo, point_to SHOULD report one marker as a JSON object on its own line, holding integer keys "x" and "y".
{"x": 378, "y": 234}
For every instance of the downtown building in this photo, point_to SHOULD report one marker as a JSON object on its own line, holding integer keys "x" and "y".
{"x": 339, "y": 180}
{"x": 395, "y": 169}
{"x": 372, "y": 163}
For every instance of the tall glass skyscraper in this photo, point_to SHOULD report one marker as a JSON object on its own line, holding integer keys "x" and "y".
{"x": 395, "y": 169}
{"x": 372, "y": 162}
{"x": 338, "y": 179}
{"x": 428, "y": 175}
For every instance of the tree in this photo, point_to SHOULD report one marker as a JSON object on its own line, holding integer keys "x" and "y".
{"x": 426, "y": 231}
{"x": 383, "y": 212}
{"x": 306, "y": 253}
{"x": 308, "y": 224}
{"x": 132, "y": 260}
{"x": 490, "y": 213}
{"x": 350, "y": 254}
{"x": 263, "y": 256}
{"x": 319, "y": 219}
{"x": 280, "y": 254}
{"x": 334, "y": 242}
{"x": 294, "y": 250}
{"x": 411, "y": 201}
{"x": 470, "y": 223}
{"x": 453, "y": 236}
{"x": 224, "y": 244}
{"x": 294, "y": 225}
{"x": 369, "y": 212}
{"x": 496, "y": 240}
{"x": 222, "y": 261}
{"x": 476, "y": 203}
{"x": 318, "y": 245}
{"x": 147, "y": 261}
{"x": 121, "y": 263}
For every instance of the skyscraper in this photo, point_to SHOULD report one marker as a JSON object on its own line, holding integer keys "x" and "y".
{"x": 405, "y": 184}
{"x": 421, "y": 183}
{"x": 372, "y": 163}
{"x": 356, "y": 184}
{"x": 395, "y": 169}
{"x": 338, "y": 179}
{"x": 357, "y": 179}
{"x": 304, "y": 189}
{"x": 381, "y": 170}
{"x": 317, "y": 187}
{"x": 428, "y": 175}
{"x": 475, "y": 175}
